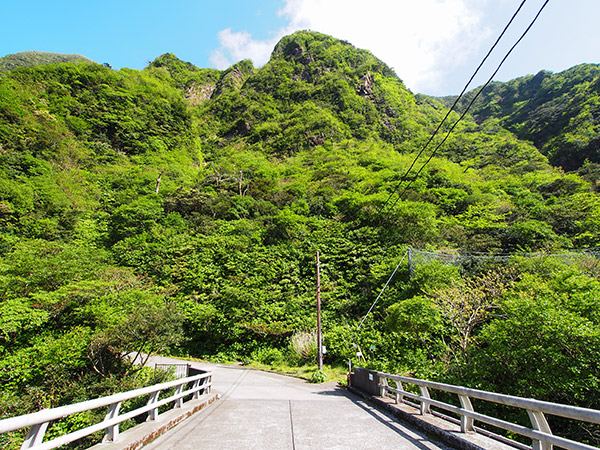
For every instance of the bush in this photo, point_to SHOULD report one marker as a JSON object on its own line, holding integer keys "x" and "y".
{"x": 318, "y": 376}
{"x": 267, "y": 355}
{"x": 304, "y": 344}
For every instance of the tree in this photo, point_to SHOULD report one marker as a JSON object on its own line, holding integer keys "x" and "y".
{"x": 468, "y": 303}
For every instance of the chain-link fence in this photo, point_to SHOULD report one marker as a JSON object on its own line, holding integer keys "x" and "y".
{"x": 472, "y": 260}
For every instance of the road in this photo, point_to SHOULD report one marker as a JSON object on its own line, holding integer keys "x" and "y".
{"x": 261, "y": 410}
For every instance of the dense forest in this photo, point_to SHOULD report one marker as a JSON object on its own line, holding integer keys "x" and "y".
{"x": 179, "y": 210}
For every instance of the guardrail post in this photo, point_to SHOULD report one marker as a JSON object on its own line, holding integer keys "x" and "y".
{"x": 383, "y": 385}
{"x": 425, "y": 406}
{"x": 153, "y": 413}
{"x": 539, "y": 423}
{"x": 179, "y": 401}
{"x": 35, "y": 435}
{"x": 466, "y": 423}
{"x": 209, "y": 382}
{"x": 111, "y": 433}
{"x": 196, "y": 389}
{"x": 399, "y": 396}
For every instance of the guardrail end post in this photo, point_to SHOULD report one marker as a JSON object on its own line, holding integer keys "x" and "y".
{"x": 35, "y": 435}
{"x": 425, "y": 406}
{"x": 539, "y": 423}
{"x": 112, "y": 433}
{"x": 466, "y": 423}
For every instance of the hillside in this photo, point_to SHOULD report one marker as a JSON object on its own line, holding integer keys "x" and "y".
{"x": 559, "y": 113}
{"x": 179, "y": 209}
{"x": 32, "y": 58}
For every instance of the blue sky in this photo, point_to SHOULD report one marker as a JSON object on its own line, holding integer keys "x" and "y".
{"x": 433, "y": 45}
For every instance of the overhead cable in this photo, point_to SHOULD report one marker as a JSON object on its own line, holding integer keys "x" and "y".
{"x": 382, "y": 291}
{"x": 456, "y": 101}
{"x": 470, "y": 104}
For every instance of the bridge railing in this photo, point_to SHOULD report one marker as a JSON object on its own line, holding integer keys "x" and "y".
{"x": 539, "y": 432}
{"x": 38, "y": 422}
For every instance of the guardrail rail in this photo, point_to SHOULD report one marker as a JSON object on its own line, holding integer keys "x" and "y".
{"x": 539, "y": 432}
{"x": 38, "y": 422}
{"x": 179, "y": 370}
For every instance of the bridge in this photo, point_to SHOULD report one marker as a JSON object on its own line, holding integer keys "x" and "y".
{"x": 235, "y": 407}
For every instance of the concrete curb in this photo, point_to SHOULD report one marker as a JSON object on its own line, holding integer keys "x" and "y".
{"x": 143, "y": 434}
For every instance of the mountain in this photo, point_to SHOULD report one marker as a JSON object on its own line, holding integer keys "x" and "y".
{"x": 559, "y": 113}
{"x": 179, "y": 209}
{"x": 32, "y": 58}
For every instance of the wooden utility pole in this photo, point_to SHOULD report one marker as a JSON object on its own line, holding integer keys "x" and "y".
{"x": 319, "y": 339}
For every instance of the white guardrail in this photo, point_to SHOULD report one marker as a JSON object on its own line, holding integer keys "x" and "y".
{"x": 39, "y": 421}
{"x": 540, "y": 432}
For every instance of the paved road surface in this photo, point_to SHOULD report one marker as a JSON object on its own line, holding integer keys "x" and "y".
{"x": 260, "y": 410}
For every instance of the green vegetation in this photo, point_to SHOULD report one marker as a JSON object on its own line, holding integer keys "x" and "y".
{"x": 179, "y": 210}
{"x": 30, "y": 59}
{"x": 559, "y": 113}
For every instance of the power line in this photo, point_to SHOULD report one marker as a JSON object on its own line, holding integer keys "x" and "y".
{"x": 471, "y": 103}
{"x": 380, "y": 294}
{"x": 405, "y": 176}
{"x": 452, "y": 107}
{"x": 448, "y": 134}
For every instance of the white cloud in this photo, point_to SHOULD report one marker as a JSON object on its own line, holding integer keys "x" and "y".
{"x": 236, "y": 46}
{"x": 420, "y": 39}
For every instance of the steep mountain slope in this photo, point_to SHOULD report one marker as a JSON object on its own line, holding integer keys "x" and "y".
{"x": 316, "y": 88}
{"x": 559, "y": 113}
{"x": 32, "y": 58}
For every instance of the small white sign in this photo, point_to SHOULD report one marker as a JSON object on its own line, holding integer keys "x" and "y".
{"x": 370, "y": 377}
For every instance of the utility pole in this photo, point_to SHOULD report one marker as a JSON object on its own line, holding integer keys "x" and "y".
{"x": 319, "y": 339}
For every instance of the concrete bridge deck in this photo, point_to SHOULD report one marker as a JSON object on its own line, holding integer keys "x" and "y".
{"x": 260, "y": 410}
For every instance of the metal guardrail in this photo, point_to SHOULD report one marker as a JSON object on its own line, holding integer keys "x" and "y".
{"x": 39, "y": 421}
{"x": 180, "y": 370}
{"x": 540, "y": 433}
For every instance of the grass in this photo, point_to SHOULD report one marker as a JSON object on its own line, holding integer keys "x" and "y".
{"x": 306, "y": 372}
{"x": 333, "y": 373}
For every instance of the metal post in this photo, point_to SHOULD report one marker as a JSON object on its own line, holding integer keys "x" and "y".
{"x": 425, "y": 405}
{"x": 399, "y": 396}
{"x": 111, "y": 433}
{"x": 153, "y": 413}
{"x": 383, "y": 385}
{"x": 196, "y": 389}
{"x": 319, "y": 338}
{"x": 466, "y": 423}
{"x": 410, "y": 266}
{"x": 539, "y": 423}
{"x": 179, "y": 401}
{"x": 35, "y": 435}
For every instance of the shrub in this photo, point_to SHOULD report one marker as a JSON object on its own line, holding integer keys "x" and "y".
{"x": 304, "y": 344}
{"x": 318, "y": 376}
{"x": 267, "y": 355}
